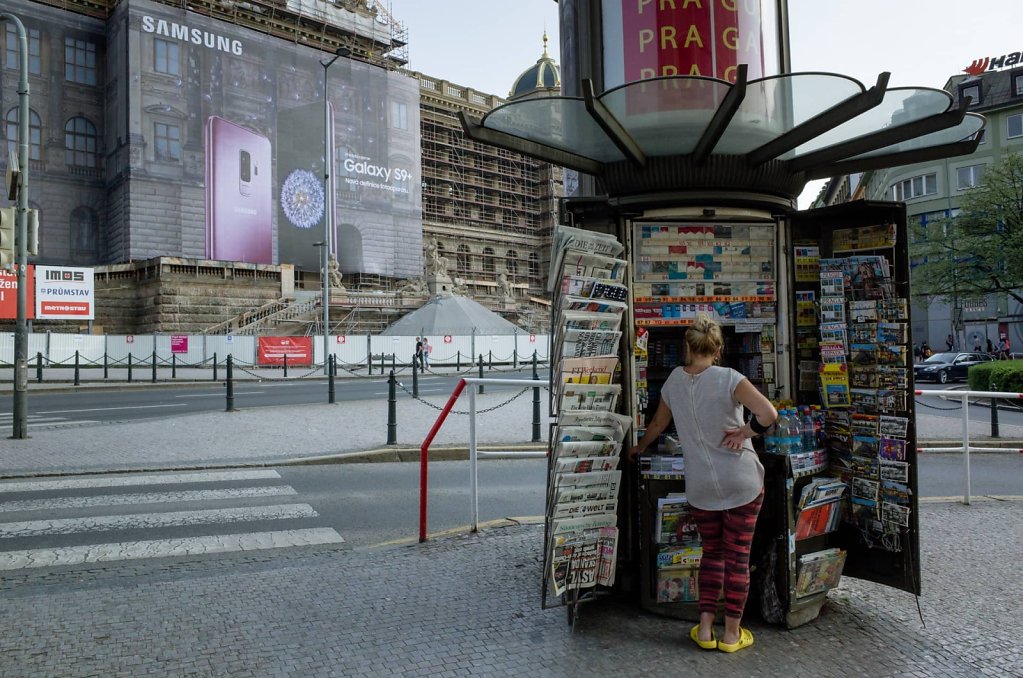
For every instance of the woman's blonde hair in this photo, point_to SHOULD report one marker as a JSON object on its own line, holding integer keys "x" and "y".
{"x": 704, "y": 337}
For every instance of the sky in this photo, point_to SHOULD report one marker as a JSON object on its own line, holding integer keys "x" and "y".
{"x": 486, "y": 44}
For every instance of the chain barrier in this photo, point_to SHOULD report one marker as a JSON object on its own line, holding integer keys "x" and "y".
{"x": 463, "y": 412}
{"x": 314, "y": 370}
{"x": 940, "y": 409}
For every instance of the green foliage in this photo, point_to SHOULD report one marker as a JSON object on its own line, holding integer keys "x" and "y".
{"x": 998, "y": 375}
{"x": 980, "y": 251}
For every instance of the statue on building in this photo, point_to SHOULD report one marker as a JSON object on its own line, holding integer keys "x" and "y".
{"x": 504, "y": 288}
{"x": 460, "y": 288}
{"x": 413, "y": 287}
{"x": 436, "y": 263}
{"x": 334, "y": 274}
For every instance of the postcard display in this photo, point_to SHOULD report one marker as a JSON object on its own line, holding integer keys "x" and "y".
{"x": 849, "y": 504}
{"x": 584, "y": 476}
{"x": 681, "y": 269}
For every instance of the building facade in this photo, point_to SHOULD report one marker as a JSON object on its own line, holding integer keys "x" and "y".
{"x": 198, "y": 134}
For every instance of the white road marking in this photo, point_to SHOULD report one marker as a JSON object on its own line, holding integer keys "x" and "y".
{"x": 65, "y": 503}
{"x": 36, "y": 528}
{"x": 161, "y": 548}
{"x": 140, "y": 479}
{"x": 107, "y": 409}
{"x": 217, "y": 395}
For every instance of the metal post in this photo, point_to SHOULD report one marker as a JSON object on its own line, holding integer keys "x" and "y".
{"x": 230, "y": 383}
{"x": 78, "y": 380}
{"x": 536, "y": 404}
{"x": 966, "y": 450}
{"x": 415, "y": 379}
{"x": 19, "y": 417}
{"x": 394, "y": 361}
{"x": 481, "y": 373}
{"x": 490, "y": 360}
{"x": 154, "y": 365}
{"x": 129, "y": 367}
{"x": 994, "y": 416}
{"x": 382, "y": 357}
{"x": 473, "y": 460}
{"x": 286, "y": 366}
{"x": 214, "y": 366}
{"x": 392, "y": 411}
{"x": 331, "y": 397}
{"x": 458, "y": 361}
{"x": 106, "y": 371}
{"x": 174, "y": 366}
{"x": 515, "y": 359}
{"x": 39, "y": 367}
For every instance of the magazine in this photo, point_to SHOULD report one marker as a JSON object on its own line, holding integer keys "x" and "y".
{"x": 567, "y": 238}
{"x": 586, "y": 464}
{"x": 819, "y": 571}
{"x": 590, "y": 320}
{"x": 597, "y": 397}
{"x": 677, "y": 585}
{"x": 588, "y": 343}
{"x": 621, "y": 422}
{"x": 582, "y": 450}
{"x": 597, "y": 370}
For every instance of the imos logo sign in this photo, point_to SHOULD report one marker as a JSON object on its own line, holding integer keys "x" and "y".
{"x": 65, "y": 276}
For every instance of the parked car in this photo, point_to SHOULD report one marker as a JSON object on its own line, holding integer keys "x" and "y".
{"x": 945, "y": 367}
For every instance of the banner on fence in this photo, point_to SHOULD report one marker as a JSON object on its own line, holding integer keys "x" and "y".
{"x": 9, "y": 294}
{"x": 272, "y": 350}
{"x": 179, "y": 343}
{"x": 64, "y": 293}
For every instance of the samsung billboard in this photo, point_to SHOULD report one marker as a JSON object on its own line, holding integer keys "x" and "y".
{"x": 208, "y": 141}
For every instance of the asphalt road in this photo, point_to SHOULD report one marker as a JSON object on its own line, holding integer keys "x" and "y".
{"x": 90, "y": 405}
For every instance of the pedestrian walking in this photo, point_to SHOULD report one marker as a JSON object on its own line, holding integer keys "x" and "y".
{"x": 418, "y": 360}
{"x": 1004, "y": 347}
{"x": 724, "y": 477}
{"x": 990, "y": 348}
{"x": 950, "y": 342}
{"x": 427, "y": 349}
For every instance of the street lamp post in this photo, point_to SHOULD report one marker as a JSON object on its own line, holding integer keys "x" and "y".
{"x": 328, "y": 205}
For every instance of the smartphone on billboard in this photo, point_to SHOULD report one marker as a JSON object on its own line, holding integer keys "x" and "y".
{"x": 301, "y": 204}
{"x": 239, "y": 221}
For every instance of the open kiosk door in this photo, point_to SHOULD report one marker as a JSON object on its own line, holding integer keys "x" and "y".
{"x": 848, "y": 506}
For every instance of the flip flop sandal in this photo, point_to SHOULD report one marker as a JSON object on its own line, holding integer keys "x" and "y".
{"x": 745, "y": 640}
{"x": 694, "y": 635}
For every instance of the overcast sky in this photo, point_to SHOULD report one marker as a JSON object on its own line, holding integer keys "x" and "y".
{"x": 486, "y": 44}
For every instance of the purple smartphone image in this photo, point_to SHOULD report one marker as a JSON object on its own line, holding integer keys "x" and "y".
{"x": 239, "y": 220}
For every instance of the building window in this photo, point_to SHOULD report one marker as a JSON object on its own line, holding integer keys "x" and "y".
{"x": 971, "y": 90}
{"x": 915, "y": 187}
{"x": 534, "y": 266}
{"x": 969, "y": 177}
{"x": 1017, "y": 84}
{"x": 35, "y": 134}
{"x": 488, "y": 260}
{"x": 167, "y": 140}
{"x": 512, "y": 262}
{"x": 79, "y": 61}
{"x": 35, "y": 62}
{"x": 463, "y": 261}
{"x": 399, "y": 115}
{"x": 1014, "y": 124}
{"x": 84, "y": 235}
{"x": 166, "y": 57}
{"x": 80, "y": 142}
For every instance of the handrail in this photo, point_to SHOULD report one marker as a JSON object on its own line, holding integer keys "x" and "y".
{"x": 965, "y": 396}
{"x": 424, "y": 449}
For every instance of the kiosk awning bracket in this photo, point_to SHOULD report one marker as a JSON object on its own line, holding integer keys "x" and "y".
{"x": 952, "y": 150}
{"x": 612, "y": 126}
{"x": 722, "y": 117}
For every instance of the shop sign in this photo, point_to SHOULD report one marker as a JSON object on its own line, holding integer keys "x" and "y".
{"x": 987, "y": 64}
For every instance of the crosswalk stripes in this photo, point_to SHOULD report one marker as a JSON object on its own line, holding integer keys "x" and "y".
{"x": 40, "y": 421}
{"x": 79, "y": 515}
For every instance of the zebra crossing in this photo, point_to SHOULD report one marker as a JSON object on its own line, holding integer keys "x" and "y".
{"x": 67, "y": 521}
{"x": 42, "y": 421}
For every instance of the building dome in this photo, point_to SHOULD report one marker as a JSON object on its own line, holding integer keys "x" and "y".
{"x": 543, "y": 77}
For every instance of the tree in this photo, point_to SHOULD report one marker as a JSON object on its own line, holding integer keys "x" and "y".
{"x": 980, "y": 250}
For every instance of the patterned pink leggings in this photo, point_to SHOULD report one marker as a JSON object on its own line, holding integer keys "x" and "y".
{"x": 727, "y": 537}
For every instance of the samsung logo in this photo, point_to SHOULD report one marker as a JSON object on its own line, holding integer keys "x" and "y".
{"x": 196, "y": 36}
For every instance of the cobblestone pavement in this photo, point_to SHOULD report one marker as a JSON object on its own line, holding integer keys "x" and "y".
{"x": 470, "y": 605}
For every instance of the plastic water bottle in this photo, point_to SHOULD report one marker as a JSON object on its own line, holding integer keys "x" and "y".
{"x": 795, "y": 432}
{"x": 782, "y": 442}
{"x": 809, "y": 434}
{"x": 771, "y": 439}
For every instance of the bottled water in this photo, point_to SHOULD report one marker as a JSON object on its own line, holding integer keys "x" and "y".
{"x": 771, "y": 439}
{"x": 795, "y": 432}
{"x": 784, "y": 433}
{"x": 808, "y": 430}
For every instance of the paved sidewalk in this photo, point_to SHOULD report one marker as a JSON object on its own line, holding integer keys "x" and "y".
{"x": 461, "y": 605}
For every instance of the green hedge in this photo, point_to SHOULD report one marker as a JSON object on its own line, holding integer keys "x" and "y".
{"x": 997, "y": 375}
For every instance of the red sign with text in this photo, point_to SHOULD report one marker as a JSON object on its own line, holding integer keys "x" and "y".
{"x": 692, "y": 37}
{"x": 9, "y": 294}
{"x": 272, "y": 350}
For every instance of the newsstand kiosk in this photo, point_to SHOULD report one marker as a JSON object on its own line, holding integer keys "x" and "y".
{"x": 686, "y": 204}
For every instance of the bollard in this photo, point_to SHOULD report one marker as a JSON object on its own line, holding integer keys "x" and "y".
{"x": 382, "y": 356}
{"x": 490, "y": 361}
{"x": 174, "y": 366}
{"x": 458, "y": 362}
{"x": 78, "y": 380}
{"x": 105, "y": 371}
{"x": 230, "y": 383}
{"x": 536, "y": 404}
{"x": 994, "y": 416}
{"x": 154, "y": 365}
{"x": 515, "y": 359}
{"x": 394, "y": 361}
{"x": 39, "y": 367}
{"x": 285, "y": 365}
{"x": 369, "y": 364}
{"x": 481, "y": 373}
{"x": 392, "y": 411}
{"x": 214, "y": 367}
{"x": 129, "y": 367}
{"x": 330, "y": 380}
{"x": 415, "y": 379}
